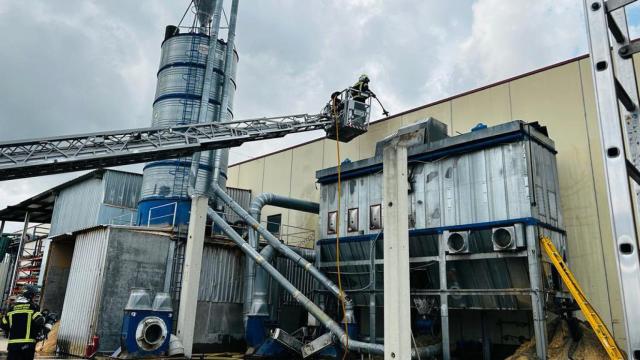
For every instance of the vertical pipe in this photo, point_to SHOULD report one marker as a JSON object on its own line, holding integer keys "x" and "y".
{"x": 2, "y": 227}
{"x": 221, "y": 156}
{"x": 397, "y": 312}
{"x": 372, "y": 294}
{"x": 191, "y": 272}
{"x": 537, "y": 298}
{"x": 444, "y": 298}
{"x": 206, "y": 90}
{"x": 25, "y": 227}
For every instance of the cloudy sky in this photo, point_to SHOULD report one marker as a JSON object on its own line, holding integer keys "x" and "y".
{"x": 72, "y": 66}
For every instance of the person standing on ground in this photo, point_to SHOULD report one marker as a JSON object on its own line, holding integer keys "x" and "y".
{"x": 23, "y": 322}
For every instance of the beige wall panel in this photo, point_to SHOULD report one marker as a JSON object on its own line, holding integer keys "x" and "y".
{"x": 306, "y": 161}
{"x": 377, "y": 132}
{"x": 489, "y": 106}
{"x": 277, "y": 180}
{"x": 440, "y": 111}
{"x": 233, "y": 173}
{"x": 350, "y": 150}
{"x": 250, "y": 175}
{"x": 554, "y": 98}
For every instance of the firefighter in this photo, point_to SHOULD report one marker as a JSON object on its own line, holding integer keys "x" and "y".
{"x": 360, "y": 90}
{"x": 23, "y": 322}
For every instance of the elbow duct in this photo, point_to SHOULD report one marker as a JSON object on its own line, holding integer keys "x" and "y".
{"x": 256, "y": 286}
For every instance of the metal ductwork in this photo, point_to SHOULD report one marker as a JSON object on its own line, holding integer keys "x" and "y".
{"x": 255, "y": 211}
{"x": 335, "y": 328}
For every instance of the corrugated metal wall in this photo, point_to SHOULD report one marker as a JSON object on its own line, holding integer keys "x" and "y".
{"x": 242, "y": 197}
{"x": 97, "y": 202}
{"x": 221, "y": 277}
{"x": 84, "y": 292}
{"x": 122, "y": 189}
{"x": 77, "y": 207}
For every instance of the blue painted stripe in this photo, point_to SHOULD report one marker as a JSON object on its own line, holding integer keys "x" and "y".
{"x": 185, "y": 64}
{"x": 186, "y": 164}
{"x": 437, "y": 154}
{"x": 183, "y": 96}
{"x": 441, "y": 229}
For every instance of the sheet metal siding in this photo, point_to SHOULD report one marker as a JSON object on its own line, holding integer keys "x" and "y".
{"x": 242, "y": 197}
{"x": 84, "y": 292}
{"x": 178, "y": 100}
{"x": 300, "y": 278}
{"x": 221, "y": 277}
{"x": 122, "y": 189}
{"x": 77, "y": 207}
{"x": 487, "y": 185}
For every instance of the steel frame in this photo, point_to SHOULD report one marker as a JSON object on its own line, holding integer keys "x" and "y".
{"x": 54, "y": 155}
{"x": 617, "y": 109}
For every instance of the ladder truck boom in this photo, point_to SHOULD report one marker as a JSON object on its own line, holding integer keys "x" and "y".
{"x": 55, "y": 155}
{"x": 47, "y": 156}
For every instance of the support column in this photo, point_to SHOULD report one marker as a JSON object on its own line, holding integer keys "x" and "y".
{"x": 397, "y": 313}
{"x": 2, "y": 227}
{"x": 537, "y": 298}
{"x": 191, "y": 272}
{"x": 444, "y": 298}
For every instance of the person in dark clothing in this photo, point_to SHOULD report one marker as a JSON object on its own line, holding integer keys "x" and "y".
{"x": 360, "y": 90}
{"x": 23, "y": 322}
{"x": 336, "y": 103}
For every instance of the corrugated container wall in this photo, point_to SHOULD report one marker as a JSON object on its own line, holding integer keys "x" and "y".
{"x": 96, "y": 201}
{"x": 107, "y": 262}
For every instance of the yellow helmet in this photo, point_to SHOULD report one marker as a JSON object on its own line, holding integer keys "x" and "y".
{"x": 364, "y": 77}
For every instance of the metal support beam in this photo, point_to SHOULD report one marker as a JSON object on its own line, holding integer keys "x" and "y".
{"x": 191, "y": 272}
{"x": 397, "y": 310}
{"x": 537, "y": 296}
{"x": 2, "y": 227}
{"x": 444, "y": 298}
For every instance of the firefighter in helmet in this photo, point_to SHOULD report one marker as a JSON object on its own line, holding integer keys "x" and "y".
{"x": 23, "y": 322}
{"x": 360, "y": 90}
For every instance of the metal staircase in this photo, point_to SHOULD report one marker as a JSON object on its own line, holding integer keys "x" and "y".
{"x": 616, "y": 91}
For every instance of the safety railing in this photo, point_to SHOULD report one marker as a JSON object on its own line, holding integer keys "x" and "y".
{"x": 169, "y": 216}
{"x": 127, "y": 219}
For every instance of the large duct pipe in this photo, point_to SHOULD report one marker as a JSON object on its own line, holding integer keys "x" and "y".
{"x": 312, "y": 308}
{"x": 259, "y": 304}
{"x": 273, "y": 241}
{"x": 220, "y": 159}
{"x": 208, "y": 77}
{"x": 255, "y": 211}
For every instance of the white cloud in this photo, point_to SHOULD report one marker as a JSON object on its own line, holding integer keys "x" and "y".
{"x": 91, "y": 64}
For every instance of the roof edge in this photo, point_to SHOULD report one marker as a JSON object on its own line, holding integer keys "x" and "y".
{"x": 433, "y": 103}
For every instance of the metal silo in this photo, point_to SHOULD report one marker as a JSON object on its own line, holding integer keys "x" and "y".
{"x": 178, "y": 98}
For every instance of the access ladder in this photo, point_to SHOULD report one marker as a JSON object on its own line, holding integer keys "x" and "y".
{"x": 616, "y": 95}
{"x": 589, "y": 312}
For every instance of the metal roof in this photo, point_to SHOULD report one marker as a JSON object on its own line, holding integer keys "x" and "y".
{"x": 41, "y": 205}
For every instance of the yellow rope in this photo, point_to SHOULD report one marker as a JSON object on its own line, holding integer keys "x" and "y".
{"x": 338, "y": 212}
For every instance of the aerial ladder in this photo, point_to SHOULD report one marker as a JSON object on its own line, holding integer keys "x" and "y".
{"x": 616, "y": 95}
{"x": 599, "y": 328}
{"x": 55, "y": 155}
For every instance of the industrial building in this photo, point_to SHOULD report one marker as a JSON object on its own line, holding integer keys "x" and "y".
{"x": 486, "y": 175}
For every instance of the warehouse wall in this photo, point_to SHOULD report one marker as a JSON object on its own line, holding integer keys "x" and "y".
{"x": 560, "y": 97}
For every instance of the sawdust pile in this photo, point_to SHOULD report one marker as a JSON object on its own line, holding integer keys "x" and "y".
{"x": 562, "y": 346}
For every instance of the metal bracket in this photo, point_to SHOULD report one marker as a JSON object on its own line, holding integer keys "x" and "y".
{"x": 286, "y": 340}
{"x": 317, "y": 345}
{"x": 617, "y": 4}
{"x": 628, "y": 50}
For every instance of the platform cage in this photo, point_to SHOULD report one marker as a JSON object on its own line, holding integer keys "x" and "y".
{"x": 350, "y": 109}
